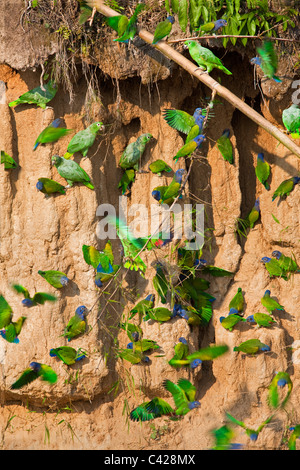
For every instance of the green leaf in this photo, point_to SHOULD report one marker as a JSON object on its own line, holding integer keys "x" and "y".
{"x": 276, "y": 220}
{"x": 183, "y": 14}
{"x": 167, "y": 6}
{"x": 175, "y": 5}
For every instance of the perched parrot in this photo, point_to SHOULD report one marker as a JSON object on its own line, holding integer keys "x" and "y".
{"x": 142, "y": 307}
{"x": 293, "y": 437}
{"x": 83, "y": 140}
{"x": 48, "y": 186}
{"x": 254, "y": 214}
{"x": 267, "y": 60}
{"x": 280, "y": 380}
{"x": 102, "y": 262}
{"x": 105, "y": 274}
{"x": 38, "y": 96}
{"x": 71, "y": 171}
{"x": 222, "y": 439}
{"x": 262, "y": 170}
{"x": 131, "y": 27}
{"x": 205, "y": 58}
{"x": 187, "y": 149}
{"x": 269, "y": 303}
{"x": 51, "y": 133}
{"x": 285, "y": 188}
{"x": 225, "y": 146}
{"x": 238, "y": 301}
{"x": 6, "y": 312}
{"x": 126, "y": 180}
{"x": 212, "y": 26}
{"x": 252, "y": 433}
{"x": 273, "y": 267}
{"x": 11, "y": 332}
{"x": 183, "y": 121}
{"x": 231, "y": 320}
{"x": 56, "y": 279}
{"x": 39, "y": 298}
{"x": 158, "y": 166}
{"x": 167, "y": 194}
{"x": 291, "y": 120}
{"x": 131, "y": 355}
{"x": 160, "y": 283}
{"x": 287, "y": 263}
{"x": 261, "y": 319}
{"x": 252, "y": 346}
{"x": 77, "y": 324}
{"x": 67, "y": 354}
{"x": 133, "y": 153}
{"x": 181, "y": 351}
{"x": 8, "y": 161}
{"x": 163, "y": 29}
{"x": 184, "y": 394}
{"x": 212, "y": 270}
{"x": 34, "y": 371}
{"x": 159, "y": 314}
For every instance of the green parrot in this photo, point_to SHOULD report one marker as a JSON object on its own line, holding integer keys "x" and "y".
{"x": 269, "y": 303}
{"x": 238, "y": 301}
{"x": 68, "y": 355}
{"x": 225, "y": 146}
{"x": 167, "y": 194}
{"x": 181, "y": 351}
{"x": 83, "y": 140}
{"x": 273, "y": 267}
{"x": 214, "y": 271}
{"x": 71, "y": 171}
{"x": 93, "y": 257}
{"x": 77, "y": 324}
{"x": 252, "y": 433}
{"x": 287, "y": 263}
{"x": 184, "y": 394}
{"x": 285, "y": 188}
{"x": 57, "y": 279}
{"x": 158, "y": 166}
{"x": 267, "y": 60}
{"x": 291, "y": 120}
{"x": 293, "y": 437}
{"x": 119, "y": 23}
{"x": 51, "y": 133}
{"x": 254, "y": 214}
{"x": 11, "y": 332}
{"x": 127, "y": 179}
{"x": 48, "y": 186}
{"x": 263, "y": 170}
{"x": 39, "y": 96}
{"x": 6, "y": 312}
{"x": 135, "y": 350}
{"x": 160, "y": 283}
{"x": 280, "y": 380}
{"x": 130, "y": 355}
{"x": 188, "y": 148}
{"x": 188, "y": 124}
{"x": 252, "y": 346}
{"x": 231, "y": 320}
{"x": 163, "y": 29}
{"x": 149, "y": 410}
{"x": 159, "y": 314}
{"x": 134, "y": 332}
{"x": 196, "y": 358}
{"x": 205, "y": 58}
{"x": 133, "y": 153}
{"x": 8, "y": 161}
{"x": 131, "y": 28}
{"x": 39, "y": 298}
{"x": 222, "y": 439}
{"x": 142, "y": 307}
{"x": 33, "y": 372}
{"x": 212, "y": 26}
{"x": 261, "y": 319}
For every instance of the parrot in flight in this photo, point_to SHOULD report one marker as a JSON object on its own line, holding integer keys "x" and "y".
{"x": 291, "y": 120}
{"x": 39, "y": 96}
{"x": 6, "y": 312}
{"x": 223, "y": 437}
{"x": 57, "y": 279}
{"x": 102, "y": 262}
{"x": 126, "y": 29}
{"x": 71, "y": 171}
{"x": 67, "y": 354}
{"x": 188, "y": 124}
{"x": 11, "y": 332}
{"x": 133, "y": 153}
{"x": 48, "y": 186}
{"x": 285, "y": 188}
{"x": 83, "y": 140}
{"x": 33, "y": 372}
{"x": 39, "y": 298}
{"x": 262, "y": 171}
{"x": 77, "y": 324}
{"x": 51, "y": 133}
{"x": 267, "y": 60}
{"x": 280, "y": 380}
{"x": 252, "y": 433}
{"x": 205, "y": 58}
{"x": 163, "y": 29}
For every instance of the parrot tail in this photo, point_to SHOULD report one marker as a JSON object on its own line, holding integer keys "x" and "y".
{"x": 89, "y": 185}
{"x": 68, "y": 155}
{"x": 225, "y": 70}
{"x": 276, "y": 79}
{"x": 13, "y": 103}
{"x": 36, "y": 145}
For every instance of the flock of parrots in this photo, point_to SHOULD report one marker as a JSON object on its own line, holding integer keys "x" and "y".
{"x": 189, "y": 297}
